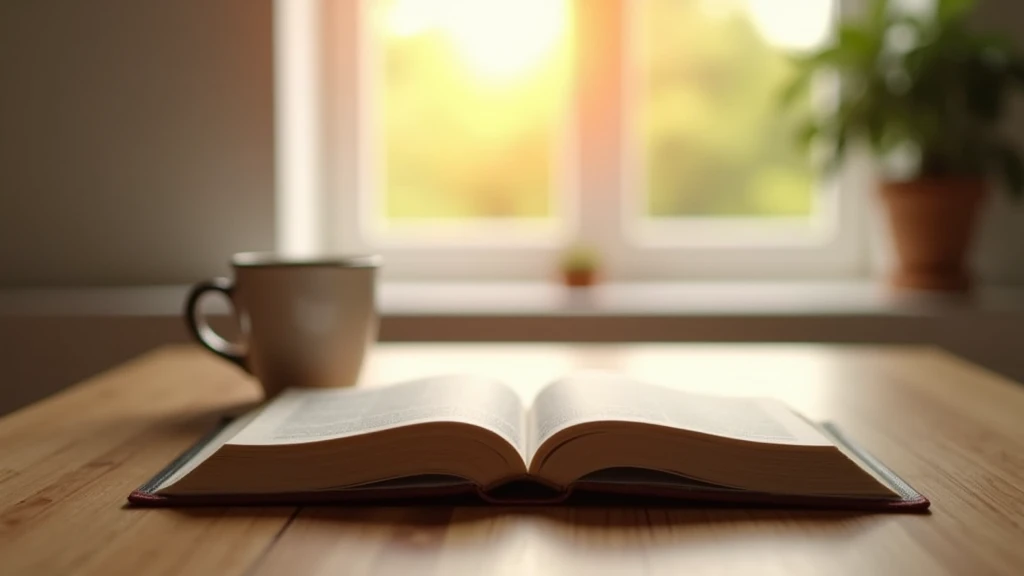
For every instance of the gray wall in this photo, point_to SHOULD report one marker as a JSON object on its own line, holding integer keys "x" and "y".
{"x": 136, "y": 139}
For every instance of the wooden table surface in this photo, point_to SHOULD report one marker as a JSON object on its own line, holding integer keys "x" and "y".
{"x": 953, "y": 430}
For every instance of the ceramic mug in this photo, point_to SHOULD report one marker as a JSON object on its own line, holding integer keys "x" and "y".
{"x": 304, "y": 322}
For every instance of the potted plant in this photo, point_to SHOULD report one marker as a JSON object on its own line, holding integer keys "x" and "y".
{"x": 926, "y": 87}
{"x": 579, "y": 266}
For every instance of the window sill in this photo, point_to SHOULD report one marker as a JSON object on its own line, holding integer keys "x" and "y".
{"x": 518, "y": 300}
{"x": 689, "y": 299}
{"x": 985, "y": 327}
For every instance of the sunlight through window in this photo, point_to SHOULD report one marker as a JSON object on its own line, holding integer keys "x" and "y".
{"x": 472, "y": 98}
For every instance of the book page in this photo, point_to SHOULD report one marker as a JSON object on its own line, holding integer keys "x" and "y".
{"x": 219, "y": 439}
{"x": 309, "y": 415}
{"x": 609, "y": 397}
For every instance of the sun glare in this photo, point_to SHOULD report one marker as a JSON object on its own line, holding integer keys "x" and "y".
{"x": 495, "y": 39}
{"x": 794, "y": 24}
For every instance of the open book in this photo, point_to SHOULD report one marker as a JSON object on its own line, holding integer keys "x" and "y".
{"x": 588, "y": 435}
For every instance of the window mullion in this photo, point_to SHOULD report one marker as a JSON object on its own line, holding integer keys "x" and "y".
{"x": 600, "y": 79}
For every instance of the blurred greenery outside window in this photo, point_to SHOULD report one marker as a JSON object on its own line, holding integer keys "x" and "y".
{"x": 474, "y": 97}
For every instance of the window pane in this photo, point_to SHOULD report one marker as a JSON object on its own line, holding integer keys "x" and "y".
{"x": 471, "y": 97}
{"x": 714, "y": 143}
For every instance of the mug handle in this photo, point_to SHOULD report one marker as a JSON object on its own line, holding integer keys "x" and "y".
{"x": 201, "y": 329}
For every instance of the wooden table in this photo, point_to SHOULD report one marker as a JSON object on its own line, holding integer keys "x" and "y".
{"x": 954, "y": 431}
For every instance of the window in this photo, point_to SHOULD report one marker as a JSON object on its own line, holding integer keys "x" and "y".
{"x": 477, "y": 138}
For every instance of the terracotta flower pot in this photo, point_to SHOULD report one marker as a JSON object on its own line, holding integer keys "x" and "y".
{"x": 932, "y": 222}
{"x": 579, "y": 278}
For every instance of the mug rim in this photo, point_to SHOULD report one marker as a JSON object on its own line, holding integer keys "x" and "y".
{"x": 278, "y": 260}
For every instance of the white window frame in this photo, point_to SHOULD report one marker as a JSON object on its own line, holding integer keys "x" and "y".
{"x": 324, "y": 94}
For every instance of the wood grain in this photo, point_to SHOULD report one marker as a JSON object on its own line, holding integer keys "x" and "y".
{"x": 70, "y": 461}
{"x": 953, "y": 430}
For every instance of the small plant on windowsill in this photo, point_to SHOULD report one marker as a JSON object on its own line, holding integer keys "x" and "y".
{"x": 927, "y": 87}
{"x": 580, "y": 266}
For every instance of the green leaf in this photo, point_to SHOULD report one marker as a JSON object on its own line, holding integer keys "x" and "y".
{"x": 950, "y": 10}
{"x": 831, "y": 57}
{"x": 877, "y": 127}
{"x": 1013, "y": 171}
{"x": 799, "y": 86}
{"x": 857, "y": 44}
{"x": 807, "y": 133}
{"x": 879, "y": 14}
